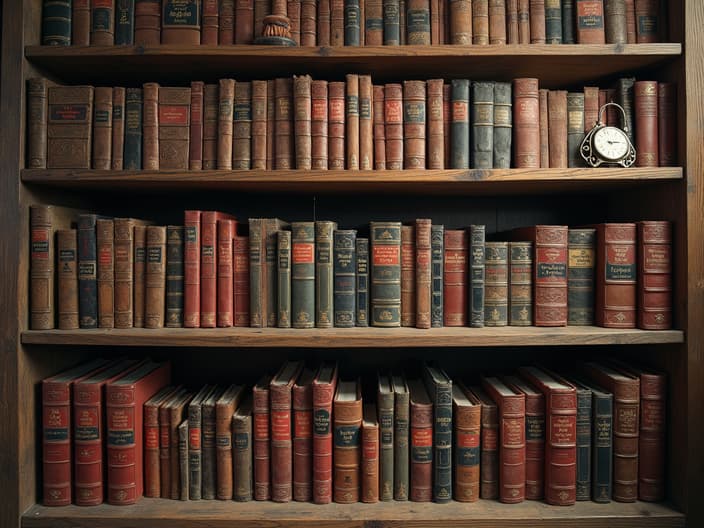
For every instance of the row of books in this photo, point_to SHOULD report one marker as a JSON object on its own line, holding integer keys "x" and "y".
{"x": 123, "y": 273}
{"x": 594, "y": 432}
{"x": 354, "y": 22}
{"x": 301, "y": 123}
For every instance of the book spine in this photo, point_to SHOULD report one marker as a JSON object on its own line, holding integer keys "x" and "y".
{"x": 580, "y": 276}
{"x": 36, "y": 123}
{"x": 195, "y": 142}
{"x": 437, "y": 235}
{"x": 645, "y": 98}
{"x": 496, "y": 284}
{"x": 226, "y": 31}
{"x": 402, "y": 16}
{"x": 362, "y": 282}
{"x": 352, "y": 22}
{"x": 175, "y": 417}
{"x": 324, "y": 23}
{"x": 373, "y": 23}
{"x": 535, "y": 447}
{"x": 616, "y": 276}
{"x": 460, "y": 124}
{"x": 347, "y": 422}
{"x": 319, "y": 124}
{"x": 262, "y": 8}
{"x": 392, "y": 35}
{"x": 140, "y": 262}
{"x": 423, "y": 273}
{"x": 152, "y": 477}
{"x": 524, "y": 21}
{"x": 308, "y": 22}
{"x": 537, "y": 22}
{"x": 180, "y": 22}
{"x": 303, "y": 275}
{"x": 602, "y": 442}
{"x": 584, "y": 444}
{"x": 283, "y": 249}
{"x": 553, "y": 21}
{"x": 118, "y": 127}
{"x": 568, "y": 22}
{"x": 240, "y": 280}
{"x": 174, "y": 276}
{"x": 590, "y": 22}
{"x": 550, "y": 276}
{"x": 467, "y": 453}
{"x": 667, "y": 124}
{"x": 87, "y": 272}
{"x": 191, "y": 269}
{"x": 647, "y": 21}
{"x": 366, "y": 132}
{"x": 447, "y": 125}
{"x": 544, "y": 123}
{"x": 557, "y": 117}
{"x": 209, "y": 452}
{"x": 482, "y": 125}
{"x": 150, "y": 127}
{"x": 379, "y": 131}
{"x": 344, "y": 269}
{"x": 69, "y": 127}
{"x": 480, "y": 22}
{"x": 124, "y": 22}
{"x": 244, "y": 22}
{"x": 281, "y": 443}
{"x": 208, "y": 270}
{"x": 155, "y": 277}
{"x": 575, "y": 128}
{"x": 303, "y": 442}
{"x": 520, "y": 284}
{"x": 651, "y": 440}
{"x": 385, "y": 409}
{"x": 455, "y": 278}
{"x": 67, "y": 278}
{"x": 183, "y": 460}
{"x": 259, "y": 125}
{"x": 80, "y": 23}
{"x": 435, "y": 21}
{"x": 105, "y": 273}
{"x": 102, "y": 128}
{"x": 497, "y": 22}
{"x": 242, "y": 454}
{"x": 132, "y": 159}
{"x": 489, "y": 464}
{"x": 256, "y": 273}
{"x": 336, "y": 125}
{"x": 477, "y": 275}
{"x": 561, "y": 447}
{"x": 615, "y": 21}
{"x": 512, "y": 451}
{"x": 56, "y": 443}
{"x": 102, "y": 23}
{"x": 503, "y": 123}
{"x": 401, "y": 446}
{"x": 174, "y": 127}
{"x": 393, "y": 119}
{"x": 352, "y": 121}
{"x": 436, "y": 139}
{"x": 370, "y": 462}
{"x": 386, "y": 273}
{"x": 337, "y": 22}
{"x": 224, "y": 275}
{"x": 624, "y": 97}
{"x": 195, "y": 452}
{"x": 654, "y": 275}
{"x": 512, "y": 22}
{"x": 418, "y": 22}
{"x": 42, "y": 298}
{"x": 442, "y": 442}
{"x": 591, "y": 107}
{"x": 147, "y": 22}
{"x": 324, "y": 275}
{"x": 527, "y": 122}
{"x": 226, "y": 97}
{"x": 210, "y": 23}
{"x": 120, "y": 422}
{"x": 322, "y": 442}
{"x": 302, "y": 120}
{"x": 421, "y": 452}
{"x": 242, "y": 126}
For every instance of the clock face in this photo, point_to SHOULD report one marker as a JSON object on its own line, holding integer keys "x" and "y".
{"x": 611, "y": 143}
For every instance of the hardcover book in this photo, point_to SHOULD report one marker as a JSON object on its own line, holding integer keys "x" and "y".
{"x": 261, "y": 439}
{"x": 401, "y": 436}
{"x": 520, "y": 292}
{"x": 324, "y": 274}
{"x": 102, "y": 128}
{"x": 393, "y": 130}
{"x": 283, "y": 260}
{"x": 105, "y": 273}
{"x": 460, "y": 124}
{"x": 477, "y": 273}
{"x": 67, "y": 279}
{"x": 70, "y": 112}
{"x": 87, "y": 271}
{"x": 152, "y": 433}
{"x": 195, "y": 442}
{"x": 437, "y": 235}
{"x": 423, "y": 268}
{"x": 344, "y": 270}
{"x": 347, "y": 416}
{"x": 303, "y": 274}
{"x": 455, "y": 278}
{"x": 496, "y": 284}
{"x": 385, "y": 410}
{"x": 242, "y": 439}
{"x": 526, "y": 121}
{"x": 370, "y": 454}
{"x": 439, "y": 386}
{"x": 240, "y": 263}
{"x": 408, "y": 276}
{"x": 362, "y": 286}
{"x": 155, "y": 277}
{"x": 466, "y": 409}
{"x": 482, "y": 137}
{"x": 324, "y": 385}
{"x": 174, "y": 276}
{"x": 480, "y": 22}
{"x": 489, "y": 464}
{"x": 174, "y": 126}
{"x": 503, "y": 122}
{"x": 580, "y": 276}
{"x": 654, "y": 275}
{"x": 414, "y": 119}
{"x": 302, "y": 395}
{"x": 616, "y": 275}
{"x": 386, "y": 273}
{"x": 421, "y": 442}
{"x": 180, "y": 22}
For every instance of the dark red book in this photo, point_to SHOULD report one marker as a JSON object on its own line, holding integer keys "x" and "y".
{"x": 226, "y": 232}
{"x": 261, "y": 441}
{"x": 211, "y": 23}
{"x": 324, "y": 386}
{"x": 408, "y": 276}
{"x": 240, "y": 262}
{"x": 195, "y": 143}
{"x": 489, "y": 463}
{"x": 209, "y": 266}
{"x": 421, "y": 465}
{"x": 191, "y": 269}
{"x": 303, "y": 436}
{"x": 655, "y": 275}
{"x": 616, "y": 275}
{"x": 645, "y": 101}
{"x": 370, "y": 454}
{"x": 455, "y": 278}
{"x": 526, "y": 123}
{"x": 152, "y": 434}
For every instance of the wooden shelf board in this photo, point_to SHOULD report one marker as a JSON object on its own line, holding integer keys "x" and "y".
{"x": 464, "y": 181}
{"x": 158, "y": 513}
{"x": 460, "y": 337}
{"x": 553, "y": 64}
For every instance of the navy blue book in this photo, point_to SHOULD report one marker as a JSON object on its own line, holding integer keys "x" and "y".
{"x": 362, "y": 287}
{"x": 87, "y": 278}
{"x": 124, "y": 22}
{"x": 56, "y": 23}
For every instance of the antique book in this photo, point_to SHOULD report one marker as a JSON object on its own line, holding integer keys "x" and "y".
{"x": 524, "y": 21}
{"x": 152, "y": 469}
{"x": 553, "y": 21}
{"x": 373, "y": 22}
{"x": 270, "y": 122}
{"x": 303, "y": 274}
{"x": 37, "y": 89}
{"x": 386, "y": 273}
{"x": 482, "y": 119}
{"x": 460, "y": 124}
{"x": 654, "y": 275}
{"x": 140, "y": 267}
{"x": 362, "y": 284}
{"x": 455, "y": 282}
{"x": 391, "y": 10}
{"x": 393, "y": 128}
{"x": 77, "y": 12}
{"x": 496, "y": 284}
{"x": 244, "y": 22}
{"x": 369, "y": 466}
{"x": 480, "y": 22}
{"x": 147, "y": 22}
{"x": 489, "y": 463}
{"x": 417, "y": 22}
{"x": 124, "y": 22}
{"x": 347, "y": 423}
{"x": 590, "y": 22}
{"x": 435, "y": 134}
{"x": 261, "y": 10}
{"x": 155, "y": 277}
{"x": 323, "y": 26}
{"x": 240, "y": 280}
{"x": 645, "y": 106}
{"x": 105, "y": 272}
{"x": 616, "y": 275}
{"x": 132, "y": 156}
{"x": 302, "y": 112}
{"x": 87, "y": 271}
{"x": 568, "y": 22}
{"x": 125, "y": 397}
{"x": 56, "y": 23}
{"x": 208, "y": 444}
{"x": 526, "y": 122}
{"x": 242, "y": 126}
{"x": 385, "y": 412}
{"x": 67, "y": 281}
{"x": 544, "y": 124}
{"x": 336, "y": 125}
{"x": 366, "y": 132}
{"x": 214, "y": 278}
{"x": 226, "y": 107}
{"x": 414, "y": 118}
{"x": 195, "y": 141}
{"x": 511, "y": 407}
{"x": 174, "y": 276}
{"x": 337, "y": 22}
{"x": 580, "y": 276}
{"x": 324, "y": 273}
{"x": 70, "y": 112}
{"x": 261, "y": 439}
{"x": 118, "y": 128}
{"x": 352, "y": 121}
{"x": 477, "y": 275}
{"x": 102, "y": 128}
{"x": 439, "y": 387}
{"x": 257, "y": 273}
{"x": 308, "y": 22}
{"x": 520, "y": 290}
{"x": 177, "y": 410}
{"x": 281, "y": 400}
{"x": 591, "y": 107}
{"x": 467, "y": 410}
{"x": 283, "y": 116}
{"x": 260, "y": 125}
{"x": 437, "y": 236}
{"x": 210, "y": 22}
{"x": 667, "y": 124}
{"x": 283, "y": 265}
{"x": 575, "y": 128}
{"x": 319, "y": 124}
{"x": 437, "y": 22}
{"x": 537, "y": 22}
{"x": 302, "y": 405}
{"x": 421, "y": 442}
{"x": 503, "y": 122}
{"x": 324, "y": 385}
{"x": 512, "y": 22}
{"x": 615, "y": 21}
{"x": 624, "y": 97}
{"x": 183, "y": 460}
{"x": 195, "y": 442}
{"x": 647, "y": 13}
{"x": 352, "y": 23}
{"x": 102, "y": 23}
{"x": 165, "y": 442}
{"x": 535, "y": 436}
{"x": 447, "y": 124}
{"x": 174, "y": 127}
{"x": 557, "y": 128}
{"x": 423, "y": 273}
{"x": 497, "y": 21}
{"x": 401, "y": 436}
{"x": 191, "y": 268}
{"x": 631, "y": 30}
{"x": 242, "y": 440}
{"x": 180, "y": 22}
{"x": 344, "y": 277}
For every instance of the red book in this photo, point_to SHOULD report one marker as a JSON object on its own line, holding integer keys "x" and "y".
{"x": 260, "y": 442}
{"x": 225, "y": 301}
{"x": 526, "y": 122}
{"x": 241, "y": 280}
{"x": 303, "y": 437}
{"x": 379, "y": 132}
{"x": 489, "y": 463}
{"x": 447, "y": 122}
{"x": 616, "y": 275}
{"x": 512, "y": 433}
{"x": 655, "y": 275}
{"x": 152, "y": 433}
{"x": 393, "y": 126}
{"x": 209, "y": 267}
{"x": 125, "y": 399}
{"x": 591, "y": 107}
{"x": 191, "y": 269}
{"x": 195, "y": 143}
{"x": 56, "y": 431}
{"x": 226, "y": 29}
{"x": 466, "y": 416}
{"x": 324, "y": 386}
{"x": 645, "y": 100}
{"x": 408, "y": 276}
{"x": 423, "y": 273}
{"x": 165, "y": 443}
{"x": 421, "y": 454}
{"x": 455, "y": 278}
{"x": 560, "y": 435}
{"x": 211, "y": 23}
{"x": 370, "y": 454}
{"x": 281, "y": 438}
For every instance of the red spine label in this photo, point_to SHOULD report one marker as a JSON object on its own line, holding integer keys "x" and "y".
{"x": 40, "y": 243}
{"x": 386, "y": 255}
{"x": 460, "y": 110}
{"x": 393, "y": 112}
{"x": 194, "y": 438}
{"x": 303, "y": 253}
{"x": 173, "y": 115}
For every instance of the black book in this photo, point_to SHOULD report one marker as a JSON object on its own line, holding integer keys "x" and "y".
{"x": 87, "y": 271}
{"x": 568, "y": 22}
{"x": 392, "y": 35}
{"x": 437, "y": 261}
{"x": 133, "y": 129}
{"x": 124, "y": 22}
{"x": 362, "y": 285}
{"x": 344, "y": 270}
{"x": 174, "y": 276}
{"x": 553, "y": 22}
{"x": 353, "y": 26}
{"x": 580, "y": 276}
{"x": 624, "y": 97}
{"x": 439, "y": 387}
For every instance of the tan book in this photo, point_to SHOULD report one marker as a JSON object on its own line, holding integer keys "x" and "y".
{"x": 155, "y": 277}
{"x": 69, "y": 127}
{"x": 118, "y": 127}
{"x": 366, "y": 122}
{"x": 174, "y": 127}
{"x": 150, "y": 126}
{"x": 352, "y": 121}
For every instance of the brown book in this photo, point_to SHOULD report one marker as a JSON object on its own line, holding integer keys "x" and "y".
{"x": 226, "y": 98}
{"x": 324, "y": 385}
{"x": 222, "y": 294}
{"x": 283, "y": 116}
{"x": 102, "y": 128}
{"x": 261, "y": 439}
{"x": 37, "y": 89}
{"x": 590, "y": 22}
{"x": 645, "y": 94}
{"x": 370, "y": 454}
{"x": 124, "y": 270}
{"x": 379, "y": 130}
{"x": 337, "y": 22}
{"x": 150, "y": 126}
{"x": 654, "y": 275}
{"x": 262, "y": 8}
{"x": 352, "y": 121}
{"x": 105, "y": 273}
{"x": 140, "y": 268}
{"x": 480, "y": 22}
{"x": 244, "y": 22}
{"x": 421, "y": 443}
{"x": 512, "y": 22}
{"x": 208, "y": 448}
{"x": 648, "y": 24}
{"x": 467, "y": 413}
{"x": 408, "y": 276}
{"x": 147, "y": 23}
{"x": 152, "y": 470}
{"x": 240, "y": 280}
{"x": 180, "y": 22}
{"x": 436, "y": 132}
{"x": 520, "y": 300}
{"x": 460, "y": 18}
{"x": 455, "y": 278}
{"x": 537, "y": 21}
{"x": 336, "y": 125}
{"x": 631, "y": 31}
{"x": 544, "y": 111}
{"x": 414, "y": 124}
{"x": 526, "y": 123}
{"x": 67, "y": 279}
{"x": 319, "y": 124}
{"x": 557, "y": 117}
{"x": 102, "y": 23}
{"x": 489, "y": 463}
{"x": 210, "y": 23}
{"x": 294, "y": 15}
{"x": 347, "y": 422}
{"x": 302, "y": 395}
{"x": 259, "y": 124}
{"x": 226, "y": 31}
{"x": 155, "y": 277}
{"x": 447, "y": 123}
{"x": 393, "y": 119}
{"x": 524, "y": 21}
{"x": 323, "y": 25}
{"x": 615, "y": 21}
{"x": 177, "y": 413}
{"x": 242, "y": 126}
{"x": 118, "y": 127}
{"x": 667, "y": 124}
{"x": 69, "y": 127}
{"x": 497, "y": 21}
{"x": 616, "y": 275}
{"x": 270, "y": 122}
{"x": 184, "y": 477}
{"x": 435, "y": 21}
{"x": 225, "y": 408}
{"x": 366, "y": 132}
{"x": 242, "y": 451}
{"x": 165, "y": 442}
{"x": 373, "y": 22}
{"x": 195, "y": 142}
{"x": 309, "y": 17}
{"x": 591, "y": 107}
{"x": 80, "y": 22}
{"x": 302, "y": 115}
{"x": 423, "y": 273}
{"x": 174, "y": 127}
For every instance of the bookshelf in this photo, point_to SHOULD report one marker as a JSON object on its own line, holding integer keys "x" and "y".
{"x": 675, "y": 194}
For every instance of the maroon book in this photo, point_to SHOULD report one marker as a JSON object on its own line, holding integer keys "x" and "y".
{"x": 324, "y": 386}
{"x": 526, "y": 123}
{"x": 667, "y": 124}
{"x": 303, "y": 436}
{"x": 209, "y": 267}
{"x": 261, "y": 441}
{"x": 654, "y": 275}
{"x": 455, "y": 278}
{"x": 225, "y": 309}
{"x": 421, "y": 454}
{"x": 616, "y": 275}
{"x": 240, "y": 280}
{"x": 191, "y": 269}
{"x": 645, "y": 101}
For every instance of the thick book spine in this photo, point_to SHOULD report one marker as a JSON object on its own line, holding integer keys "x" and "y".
{"x": 386, "y": 273}
{"x": 496, "y": 284}
{"x": 323, "y": 26}
{"x": 436, "y": 133}
{"x": 259, "y": 124}
{"x": 195, "y": 141}
{"x": 441, "y": 394}
{"x": 489, "y": 463}
{"x": 302, "y": 405}
{"x": 482, "y": 125}
{"x": 408, "y": 276}
{"x": 553, "y": 21}
{"x": 140, "y": 262}
{"x": 303, "y": 274}
{"x": 392, "y": 35}
{"x": 455, "y": 278}
{"x": 460, "y": 124}
{"x": 401, "y": 446}
{"x": 467, "y": 437}
{"x": 647, "y": 13}
{"x": 347, "y": 425}
{"x": 366, "y": 132}
{"x": 667, "y": 124}
{"x": 283, "y": 265}
{"x": 87, "y": 272}
{"x": 512, "y": 22}
{"x": 362, "y": 282}
{"x": 155, "y": 277}
{"x": 226, "y": 29}
{"x": 150, "y": 126}
{"x": 527, "y": 123}
{"x": 631, "y": 30}
{"x": 319, "y": 124}
{"x": 261, "y": 442}
{"x": 590, "y": 22}
{"x": 393, "y": 119}
{"x": 281, "y": 438}
{"x": 575, "y": 128}
{"x": 180, "y": 22}
{"x": 373, "y": 23}
{"x": 418, "y": 22}
{"x": 80, "y": 23}
{"x": 195, "y": 452}
{"x": 437, "y": 236}
{"x": 324, "y": 275}
{"x": 132, "y": 158}
{"x": 210, "y": 23}
{"x": 550, "y": 276}
{"x": 651, "y": 440}
{"x": 557, "y": 128}
{"x": 423, "y": 273}
{"x": 102, "y": 128}
{"x": 242, "y": 126}
{"x": 308, "y": 22}
{"x": 174, "y": 127}
{"x": 615, "y": 21}
{"x": 352, "y": 121}
{"x": 520, "y": 293}
{"x": 616, "y": 276}
{"x": 242, "y": 441}
{"x": 302, "y": 115}
{"x": 69, "y": 127}
{"x": 226, "y": 230}
{"x": 584, "y": 444}
{"x": 209, "y": 269}
{"x": 385, "y": 411}
{"x": 580, "y": 276}
{"x": 147, "y": 22}
{"x": 56, "y": 23}
{"x": 344, "y": 264}
{"x": 369, "y": 467}
{"x": 645, "y": 106}
{"x": 524, "y": 21}
{"x": 379, "y": 131}
{"x": 535, "y": 446}
{"x": 497, "y": 22}
{"x": 118, "y": 127}
{"x": 67, "y": 279}
{"x": 240, "y": 280}
{"x": 36, "y": 122}
{"x": 337, "y": 22}
{"x": 421, "y": 444}
{"x": 624, "y": 97}
{"x": 477, "y": 275}
{"x": 537, "y": 22}
{"x": 174, "y": 276}
{"x": 226, "y": 98}
{"x": 654, "y": 275}
{"x": 105, "y": 273}
{"x": 244, "y": 22}
{"x": 503, "y": 124}
{"x": 352, "y": 21}
{"x": 42, "y": 264}
{"x": 124, "y": 22}
{"x": 568, "y": 22}
{"x": 591, "y": 107}
{"x": 544, "y": 123}
{"x": 256, "y": 273}
{"x": 209, "y": 448}
{"x": 183, "y": 460}
{"x": 480, "y": 22}
{"x": 191, "y": 269}
{"x": 336, "y": 125}
{"x": 512, "y": 449}
{"x": 102, "y": 23}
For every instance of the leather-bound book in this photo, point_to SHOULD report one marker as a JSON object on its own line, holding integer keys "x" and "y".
{"x": 553, "y": 21}
{"x": 497, "y": 21}
{"x": 209, "y": 451}
{"x": 174, "y": 127}
{"x": 568, "y": 22}
{"x": 140, "y": 267}
{"x": 105, "y": 272}
{"x": 180, "y": 22}
{"x": 366, "y": 132}
{"x": 482, "y": 125}
{"x": 147, "y": 22}
{"x": 477, "y": 275}
{"x": 437, "y": 236}
{"x": 226, "y": 29}
{"x": 654, "y": 275}
{"x": 626, "y": 419}
{"x": 261, "y": 439}
{"x": 37, "y": 90}
{"x": 460, "y": 124}
{"x": 174, "y": 276}
{"x": 210, "y": 23}
{"x": 191, "y": 268}
{"x": 503, "y": 122}
{"x": 418, "y": 22}
{"x": 195, "y": 442}
{"x": 423, "y": 273}
{"x": 87, "y": 271}
{"x": 590, "y": 22}
{"x": 257, "y": 273}
{"x": 616, "y": 271}
{"x": 455, "y": 278}
{"x": 56, "y": 22}
{"x": 447, "y": 124}
{"x": 362, "y": 282}
{"x": 209, "y": 270}
{"x": 575, "y": 128}
{"x": 645, "y": 101}
{"x": 648, "y": 27}
{"x": 550, "y": 272}
{"x": 392, "y": 35}
{"x": 543, "y": 109}
{"x": 489, "y": 464}
{"x": 378, "y": 128}
{"x": 302, "y": 405}
{"x": 370, "y": 455}
{"x": 667, "y": 124}
{"x": 303, "y": 274}
{"x": 244, "y": 21}
{"x": 124, "y": 271}
{"x": 480, "y": 22}
{"x": 496, "y": 284}
{"x": 281, "y": 435}
{"x": 520, "y": 290}
{"x": 580, "y": 276}
{"x": 347, "y": 424}
{"x": 535, "y": 436}
{"x": 57, "y": 431}
{"x": 118, "y": 128}
{"x": 70, "y": 113}
{"x": 537, "y": 22}
{"x": 242, "y": 451}
{"x": 165, "y": 443}
{"x": 373, "y": 23}
{"x": 125, "y": 397}
{"x": 436, "y": 139}
{"x": 624, "y": 97}
{"x": 308, "y": 22}
{"x": 421, "y": 442}
{"x": 240, "y": 280}
{"x": 124, "y": 22}
{"x": 353, "y": 23}
{"x": 524, "y": 21}
{"x": 270, "y": 303}
{"x": 319, "y": 124}
{"x": 283, "y": 265}
{"x": 393, "y": 119}
{"x": 259, "y": 124}
{"x": 439, "y": 387}
{"x": 324, "y": 385}
{"x": 183, "y": 461}
{"x": 67, "y": 279}
{"x": 242, "y": 126}
{"x": 226, "y": 98}
{"x": 401, "y": 436}
{"x": 512, "y": 21}
{"x": 435, "y": 6}
{"x": 302, "y": 113}
{"x": 386, "y": 273}
{"x": 526, "y": 120}
{"x": 591, "y": 107}
{"x": 385, "y": 411}
{"x": 132, "y": 158}
{"x": 467, "y": 411}
{"x": 177, "y": 410}
{"x": 102, "y": 128}
{"x": 352, "y": 121}
{"x": 336, "y": 125}
{"x": 102, "y": 23}
{"x": 195, "y": 141}
{"x": 557, "y": 128}
{"x": 344, "y": 273}
{"x": 615, "y": 21}
{"x": 324, "y": 273}
{"x": 337, "y": 22}
{"x": 323, "y": 25}
{"x": 155, "y": 277}
{"x": 152, "y": 470}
